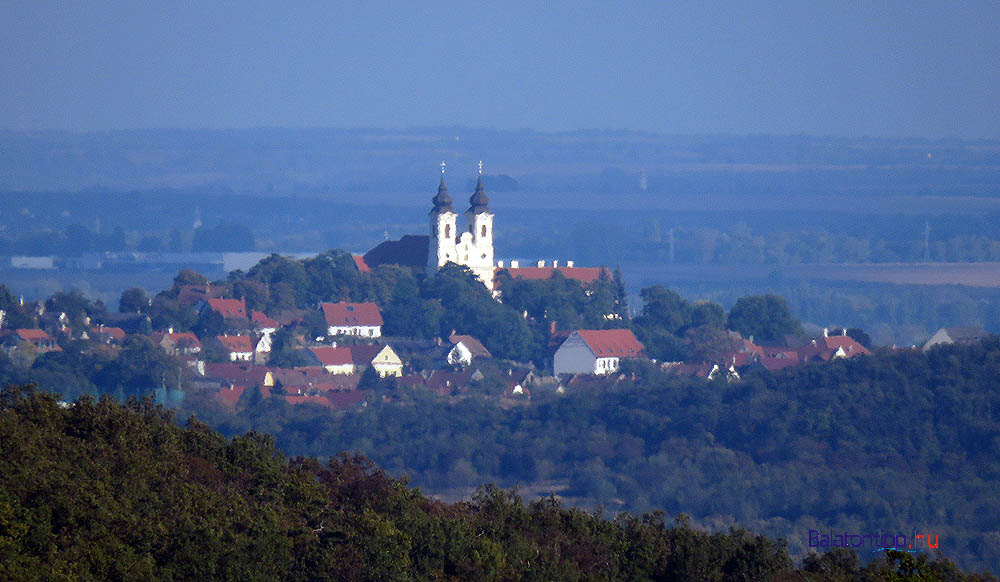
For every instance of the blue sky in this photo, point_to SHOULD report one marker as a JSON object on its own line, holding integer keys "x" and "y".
{"x": 826, "y": 68}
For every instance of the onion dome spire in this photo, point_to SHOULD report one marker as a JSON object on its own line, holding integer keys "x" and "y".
{"x": 479, "y": 201}
{"x": 442, "y": 202}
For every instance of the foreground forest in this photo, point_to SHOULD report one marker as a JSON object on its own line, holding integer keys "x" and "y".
{"x": 105, "y": 491}
{"x": 899, "y": 440}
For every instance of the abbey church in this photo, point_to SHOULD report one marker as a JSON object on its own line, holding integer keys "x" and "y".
{"x": 470, "y": 244}
{"x": 473, "y": 247}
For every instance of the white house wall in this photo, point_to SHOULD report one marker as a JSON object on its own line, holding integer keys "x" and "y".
{"x": 574, "y": 357}
{"x": 357, "y": 330}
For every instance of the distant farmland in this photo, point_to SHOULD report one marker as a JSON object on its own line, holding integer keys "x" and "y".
{"x": 970, "y": 274}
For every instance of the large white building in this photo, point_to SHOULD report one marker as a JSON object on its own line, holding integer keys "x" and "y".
{"x": 596, "y": 351}
{"x": 471, "y": 246}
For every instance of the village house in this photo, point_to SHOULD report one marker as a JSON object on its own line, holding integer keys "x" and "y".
{"x": 238, "y": 348}
{"x": 955, "y": 335}
{"x": 464, "y": 348}
{"x": 107, "y": 334}
{"x": 830, "y": 347}
{"x": 178, "y": 344}
{"x": 356, "y": 359}
{"x": 234, "y": 374}
{"x": 38, "y": 339}
{"x": 357, "y": 319}
{"x": 334, "y": 360}
{"x": 228, "y": 308}
{"x": 596, "y": 351}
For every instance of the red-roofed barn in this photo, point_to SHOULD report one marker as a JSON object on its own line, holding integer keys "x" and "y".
{"x": 596, "y": 351}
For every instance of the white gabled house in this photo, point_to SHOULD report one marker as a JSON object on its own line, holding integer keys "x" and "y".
{"x": 358, "y": 319}
{"x": 596, "y": 351}
{"x": 464, "y": 348}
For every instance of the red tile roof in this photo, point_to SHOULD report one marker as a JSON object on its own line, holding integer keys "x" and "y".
{"x": 33, "y": 335}
{"x": 850, "y": 345}
{"x": 262, "y": 320}
{"x": 342, "y": 400}
{"x": 359, "y": 261}
{"x": 773, "y": 363}
{"x": 115, "y": 332}
{"x": 620, "y": 343}
{"x": 229, "y": 308}
{"x": 351, "y": 314}
{"x": 582, "y": 274}
{"x": 230, "y": 396}
{"x": 333, "y": 356}
{"x": 235, "y": 343}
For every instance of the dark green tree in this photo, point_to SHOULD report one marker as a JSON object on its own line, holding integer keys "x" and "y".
{"x": 765, "y": 317}
{"x": 134, "y": 300}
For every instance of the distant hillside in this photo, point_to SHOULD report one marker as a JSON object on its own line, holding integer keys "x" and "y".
{"x": 102, "y": 491}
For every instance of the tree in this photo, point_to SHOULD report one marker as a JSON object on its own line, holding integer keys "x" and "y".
{"x": 73, "y": 304}
{"x": 664, "y": 309}
{"x": 134, "y": 300}
{"x": 15, "y": 316}
{"x": 765, "y": 317}
{"x": 210, "y": 324}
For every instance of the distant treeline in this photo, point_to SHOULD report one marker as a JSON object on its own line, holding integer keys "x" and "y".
{"x": 268, "y": 160}
{"x": 102, "y": 491}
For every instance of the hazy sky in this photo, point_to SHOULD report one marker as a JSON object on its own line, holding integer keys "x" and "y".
{"x": 831, "y": 68}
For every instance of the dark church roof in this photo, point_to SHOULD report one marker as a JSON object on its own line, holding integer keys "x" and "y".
{"x": 479, "y": 202}
{"x": 409, "y": 251}
{"x": 442, "y": 202}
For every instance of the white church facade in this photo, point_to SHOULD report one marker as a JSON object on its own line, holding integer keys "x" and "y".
{"x": 471, "y": 246}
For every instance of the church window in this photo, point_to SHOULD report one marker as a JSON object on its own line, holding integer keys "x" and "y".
{"x": 484, "y": 230}
{"x": 447, "y": 230}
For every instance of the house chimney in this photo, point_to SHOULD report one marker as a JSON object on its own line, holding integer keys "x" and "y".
{"x": 826, "y": 332}
{"x": 541, "y": 263}
{"x": 844, "y": 330}
{"x": 500, "y": 264}
{"x": 170, "y": 330}
{"x": 515, "y": 264}
{"x": 555, "y": 264}
{"x": 569, "y": 264}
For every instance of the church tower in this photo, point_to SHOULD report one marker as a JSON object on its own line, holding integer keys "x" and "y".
{"x": 477, "y": 244}
{"x": 473, "y": 248}
{"x": 444, "y": 229}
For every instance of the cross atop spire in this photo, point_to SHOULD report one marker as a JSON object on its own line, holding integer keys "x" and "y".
{"x": 480, "y": 167}
{"x": 442, "y": 166}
